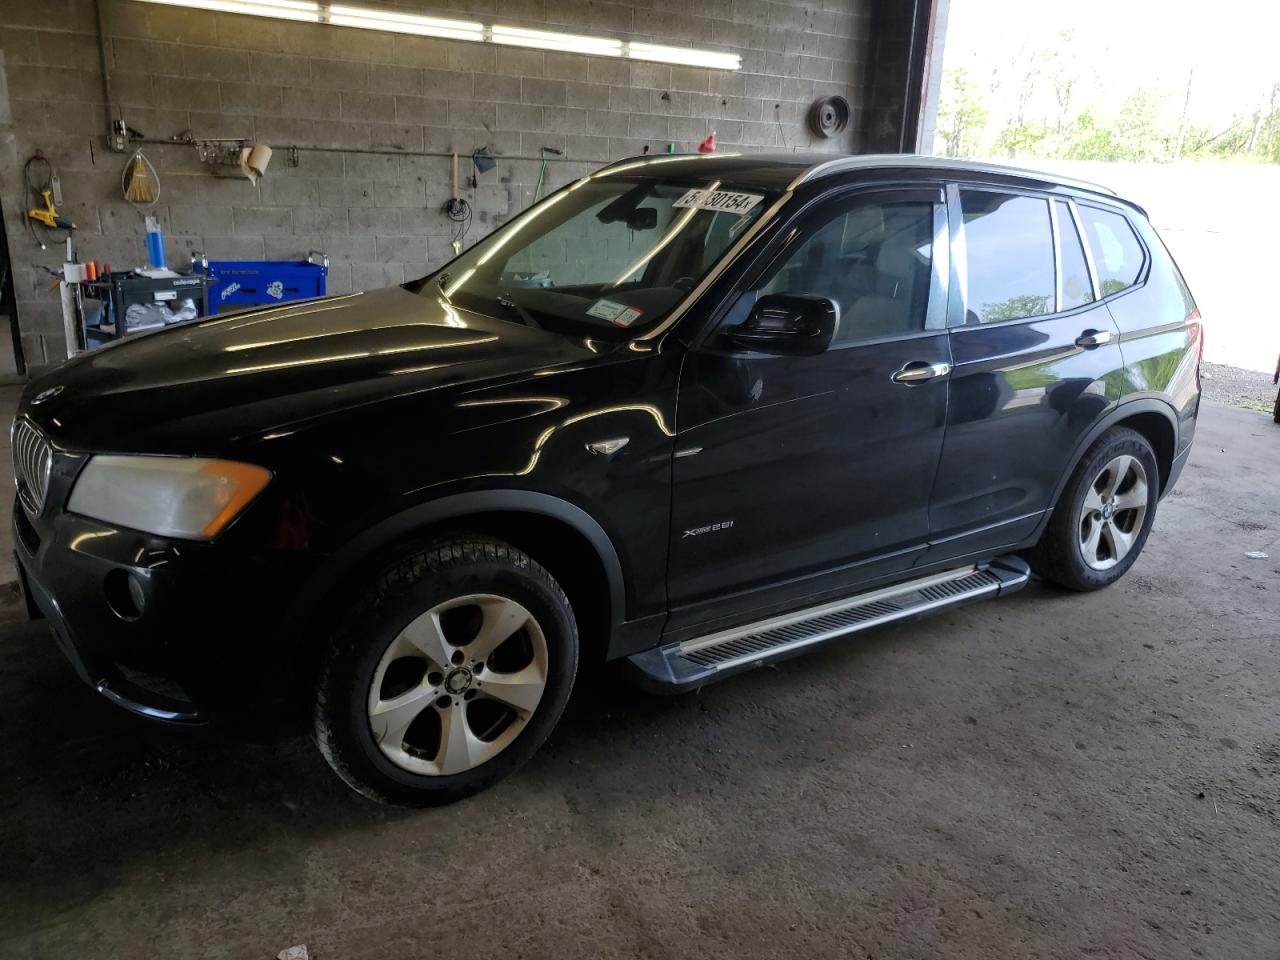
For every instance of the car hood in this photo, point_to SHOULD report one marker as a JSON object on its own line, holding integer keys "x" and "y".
{"x": 230, "y": 377}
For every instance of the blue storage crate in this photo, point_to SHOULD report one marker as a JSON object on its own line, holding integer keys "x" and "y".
{"x": 238, "y": 283}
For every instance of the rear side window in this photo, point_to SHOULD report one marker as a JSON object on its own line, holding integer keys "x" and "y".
{"x": 1076, "y": 288}
{"x": 1009, "y": 242}
{"x": 1117, "y": 254}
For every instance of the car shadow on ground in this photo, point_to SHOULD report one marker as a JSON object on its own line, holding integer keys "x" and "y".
{"x": 91, "y": 786}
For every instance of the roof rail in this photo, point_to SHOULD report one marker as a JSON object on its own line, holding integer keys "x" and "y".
{"x": 880, "y": 161}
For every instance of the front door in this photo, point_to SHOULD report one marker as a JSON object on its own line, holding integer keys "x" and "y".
{"x": 796, "y": 475}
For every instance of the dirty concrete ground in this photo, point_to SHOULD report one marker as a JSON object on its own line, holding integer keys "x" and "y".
{"x": 1047, "y": 775}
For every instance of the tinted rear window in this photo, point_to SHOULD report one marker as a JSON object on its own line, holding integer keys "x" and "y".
{"x": 1009, "y": 242}
{"x": 1117, "y": 254}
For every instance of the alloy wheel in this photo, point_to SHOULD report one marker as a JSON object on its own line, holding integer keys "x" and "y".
{"x": 458, "y": 684}
{"x": 1113, "y": 512}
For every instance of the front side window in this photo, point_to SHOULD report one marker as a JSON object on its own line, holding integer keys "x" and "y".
{"x": 1077, "y": 289}
{"x": 1009, "y": 243}
{"x": 874, "y": 261}
{"x": 608, "y": 257}
{"x": 1117, "y": 254}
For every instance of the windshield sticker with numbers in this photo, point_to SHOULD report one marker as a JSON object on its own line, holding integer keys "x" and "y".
{"x": 627, "y": 317}
{"x": 725, "y": 200}
{"x": 605, "y": 309}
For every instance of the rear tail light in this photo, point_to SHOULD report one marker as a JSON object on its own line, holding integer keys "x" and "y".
{"x": 1193, "y": 321}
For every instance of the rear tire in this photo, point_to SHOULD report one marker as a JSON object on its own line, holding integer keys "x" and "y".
{"x": 449, "y": 671}
{"x": 1104, "y": 515}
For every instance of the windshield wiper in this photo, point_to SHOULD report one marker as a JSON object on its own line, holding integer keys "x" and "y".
{"x": 521, "y": 313}
{"x": 443, "y": 281}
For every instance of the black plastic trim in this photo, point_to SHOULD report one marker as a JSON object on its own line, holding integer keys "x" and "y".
{"x": 458, "y": 506}
{"x": 1121, "y": 411}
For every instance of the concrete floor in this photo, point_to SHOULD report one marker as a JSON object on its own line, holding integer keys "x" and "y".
{"x": 1047, "y": 775}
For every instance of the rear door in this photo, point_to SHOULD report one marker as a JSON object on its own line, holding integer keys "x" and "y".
{"x": 798, "y": 474}
{"x": 1035, "y": 363}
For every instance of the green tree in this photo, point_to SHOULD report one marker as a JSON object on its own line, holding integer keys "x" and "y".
{"x": 1134, "y": 136}
{"x": 1028, "y": 138}
{"x": 962, "y": 114}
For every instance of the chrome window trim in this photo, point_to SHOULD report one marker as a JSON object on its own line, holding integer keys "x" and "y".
{"x": 1088, "y": 250}
{"x": 957, "y": 315}
{"x": 940, "y": 269}
{"x": 1057, "y": 256}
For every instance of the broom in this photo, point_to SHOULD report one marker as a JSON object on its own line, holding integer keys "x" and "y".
{"x": 140, "y": 183}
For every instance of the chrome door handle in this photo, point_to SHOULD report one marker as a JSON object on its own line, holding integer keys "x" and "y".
{"x": 918, "y": 371}
{"x": 1093, "y": 338}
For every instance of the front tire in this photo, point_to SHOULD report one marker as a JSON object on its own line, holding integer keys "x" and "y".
{"x": 1102, "y": 520}
{"x": 449, "y": 672}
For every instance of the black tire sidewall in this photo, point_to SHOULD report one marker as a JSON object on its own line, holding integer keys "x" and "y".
{"x": 1066, "y": 542}
{"x": 352, "y": 673}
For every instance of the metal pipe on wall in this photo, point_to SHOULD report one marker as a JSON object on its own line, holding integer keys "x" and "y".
{"x": 104, "y": 58}
{"x": 157, "y": 141}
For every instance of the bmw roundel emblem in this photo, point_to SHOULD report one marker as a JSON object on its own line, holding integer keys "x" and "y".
{"x": 49, "y": 394}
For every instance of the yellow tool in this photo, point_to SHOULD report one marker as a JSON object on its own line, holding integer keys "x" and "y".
{"x": 50, "y": 216}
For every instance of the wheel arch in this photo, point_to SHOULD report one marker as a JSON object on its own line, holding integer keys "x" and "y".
{"x": 561, "y": 536}
{"x": 1155, "y": 419}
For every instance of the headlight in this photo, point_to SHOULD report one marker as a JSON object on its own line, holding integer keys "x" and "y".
{"x": 188, "y": 498}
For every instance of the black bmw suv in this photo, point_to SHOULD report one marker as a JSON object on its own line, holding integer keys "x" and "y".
{"x": 695, "y": 413}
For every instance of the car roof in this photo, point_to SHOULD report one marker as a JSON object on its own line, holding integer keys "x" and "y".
{"x": 783, "y": 171}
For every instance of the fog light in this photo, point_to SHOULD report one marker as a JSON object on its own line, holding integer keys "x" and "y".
{"x": 124, "y": 594}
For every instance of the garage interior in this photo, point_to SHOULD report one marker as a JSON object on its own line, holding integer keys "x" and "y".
{"x": 1051, "y": 775}
{"x": 364, "y": 123}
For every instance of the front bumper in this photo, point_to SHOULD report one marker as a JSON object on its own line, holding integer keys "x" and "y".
{"x": 206, "y": 642}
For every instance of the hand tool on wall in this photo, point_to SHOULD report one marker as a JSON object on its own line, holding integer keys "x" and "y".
{"x": 49, "y": 215}
{"x": 542, "y": 169}
{"x": 455, "y": 207}
{"x": 42, "y": 183}
{"x": 459, "y": 211}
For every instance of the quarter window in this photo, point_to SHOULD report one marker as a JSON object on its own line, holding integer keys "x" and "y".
{"x": 1009, "y": 243}
{"x": 875, "y": 261}
{"x": 1117, "y": 254}
{"x": 1076, "y": 287}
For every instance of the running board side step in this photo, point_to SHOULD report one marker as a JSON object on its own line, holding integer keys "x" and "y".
{"x": 691, "y": 663}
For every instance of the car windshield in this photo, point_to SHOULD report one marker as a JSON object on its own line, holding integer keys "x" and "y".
{"x": 607, "y": 257}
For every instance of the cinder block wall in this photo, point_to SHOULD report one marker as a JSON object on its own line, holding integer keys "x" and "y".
{"x": 378, "y": 215}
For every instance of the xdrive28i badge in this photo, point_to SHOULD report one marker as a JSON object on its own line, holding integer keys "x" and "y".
{"x": 49, "y": 394}
{"x": 709, "y": 528}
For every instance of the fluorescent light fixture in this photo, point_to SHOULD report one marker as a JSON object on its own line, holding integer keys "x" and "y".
{"x": 550, "y": 40}
{"x": 373, "y": 18}
{"x": 683, "y": 55}
{"x": 367, "y": 18}
{"x": 278, "y": 9}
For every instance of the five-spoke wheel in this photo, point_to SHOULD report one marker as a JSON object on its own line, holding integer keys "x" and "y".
{"x": 458, "y": 684}
{"x": 1104, "y": 514}
{"x": 1113, "y": 512}
{"x": 446, "y": 673}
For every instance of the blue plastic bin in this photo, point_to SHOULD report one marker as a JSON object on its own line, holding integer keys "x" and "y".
{"x": 239, "y": 283}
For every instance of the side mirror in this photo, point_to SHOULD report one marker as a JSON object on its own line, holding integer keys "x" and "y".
{"x": 793, "y": 324}
{"x": 643, "y": 218}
